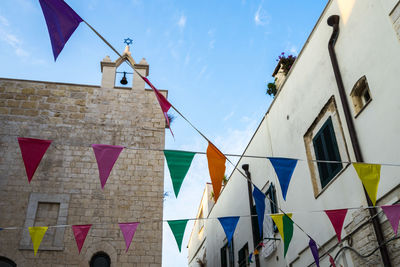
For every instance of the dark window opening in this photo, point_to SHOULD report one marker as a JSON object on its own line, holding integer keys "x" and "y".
{"x": 5, "y": 262}
{"x": 271, "y": 193}
{"x": 326, "y": 148}
{"x": 100, "y": 259}
{"x": 227, "y": 256}
{"x": 243, "y": 256}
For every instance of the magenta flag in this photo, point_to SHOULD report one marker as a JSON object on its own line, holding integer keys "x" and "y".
{"x": 61, "y": 22}
{"x": 392, "y": 212}
{"x": 80, "y": 233}
{"x": 337, "y": 219}
{"x": 164, "y": 104}
{"x": 106, "y": 156}
{"x": 32, "y": 151}
{"x": 128, "y": 231}
{"x": 332, "y": 261}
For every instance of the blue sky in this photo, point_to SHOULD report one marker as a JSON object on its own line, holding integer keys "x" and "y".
{"x": 214, "y": 57}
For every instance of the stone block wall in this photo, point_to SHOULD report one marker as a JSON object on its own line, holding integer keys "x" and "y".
{"x": 74, "y": 117}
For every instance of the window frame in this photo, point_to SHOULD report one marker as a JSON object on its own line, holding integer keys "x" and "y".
{"x": 321, "y": 135}
{"x": 329, "y": 109}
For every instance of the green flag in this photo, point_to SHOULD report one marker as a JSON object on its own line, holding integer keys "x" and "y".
{"x": 178, "y": 165}
{"x": 288, "y": 232}
{"x": 178, "y": 229}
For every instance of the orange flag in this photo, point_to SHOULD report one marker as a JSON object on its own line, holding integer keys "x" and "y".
{"x": 216, "y": 166}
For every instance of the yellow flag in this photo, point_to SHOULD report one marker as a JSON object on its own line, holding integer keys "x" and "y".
{"x": 369, "y": 175}
{"x": 37, "y": 234}
{"x": 279, "y": 222}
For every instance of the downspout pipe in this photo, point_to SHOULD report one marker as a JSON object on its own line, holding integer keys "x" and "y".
{"x": 333, "y": 21}
{"x": 245, "y": 167}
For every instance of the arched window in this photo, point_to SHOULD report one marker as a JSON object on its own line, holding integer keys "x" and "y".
{"x": 100, "y": 259}
{"x": 5, "y": 262}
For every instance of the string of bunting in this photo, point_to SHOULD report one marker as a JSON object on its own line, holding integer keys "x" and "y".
{"x": 283, "y": 222}
{"x": 57, "y": 12}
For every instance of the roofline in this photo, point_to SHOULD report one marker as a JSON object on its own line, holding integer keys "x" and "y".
{"x": 299, "y": 56}
{"x": 270, "y": 106}
{"x": 73, "y": 84}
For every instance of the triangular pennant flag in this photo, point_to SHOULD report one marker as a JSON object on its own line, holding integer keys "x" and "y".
{"x": 128, "y": 231}
{"x": 369, "y": 175}
{"x": 106, "y": 156}
{"x": 178, "y": 229}
{"x": 314, "y": 251}
{"x": 332, "y": 261}
{"x": 337, "y": 219}
{"x": 284, "y": 168}
{"x": 164, "y": 104}
{"x": 61, "y": 22}
{"x": 259, "y": 199}
{"x": 256, "y": 252}
{"x": 216, "y": 167}
{"x": 392, "y": 212}
{"x": 32, "y": 151}
{"x": 80, "y": 233}
{"x": 229, "y": 226}
{"x": 250, "y": 256}
{"x": 285, "y": 228}
{"x": 178, "y": 165}
{"x": 37, "y": 234}
{"x": 288, "y": 232}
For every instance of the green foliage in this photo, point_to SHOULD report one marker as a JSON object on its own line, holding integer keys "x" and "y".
{"x": 271, "y": 89}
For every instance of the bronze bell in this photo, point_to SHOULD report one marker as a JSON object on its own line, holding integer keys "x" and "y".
{"x": 123, "y": 80}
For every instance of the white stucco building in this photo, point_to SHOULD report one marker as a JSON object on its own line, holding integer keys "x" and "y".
{"x": 307, "y": 120}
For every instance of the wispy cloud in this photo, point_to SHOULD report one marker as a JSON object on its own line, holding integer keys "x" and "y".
{"x": 11, "y": 39}
{"x": 227, "y": 117}
{"x": 211, "y": 34}
{"x": 182, "y": 22}
{"x": 261, "y": 17}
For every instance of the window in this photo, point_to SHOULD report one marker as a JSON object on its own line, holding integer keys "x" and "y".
{"x": 100, "y": 259}
{"x": 243, "y": 256}
{"x": 395, "y": 17}
{"x": 254, "y": 222}
{"x": 324, "y": 140}
{"x": 5, "y": 262}
{"x": 360, "y": 95}
{"x": 46, "y": 210}
{"x": 271, "y": 194}
{"x": 325, "y": 147}
{"x": 227, "y": 257}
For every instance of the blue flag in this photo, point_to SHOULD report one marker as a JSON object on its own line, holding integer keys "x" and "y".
{"x": 61, "y": 22}
{"x": 284, "y": 168}
{"x": 259, "y": 198}
{"x": 229, "y": 225}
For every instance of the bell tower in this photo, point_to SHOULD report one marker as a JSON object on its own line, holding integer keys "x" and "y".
{"x": 109, "y": 70}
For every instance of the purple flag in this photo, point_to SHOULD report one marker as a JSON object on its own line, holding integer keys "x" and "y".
{"x": 128, "y": 231}
{"x": 314, "y": 251}
{"x": 392, "y": 212}
{"x": 106, "y": 156}
{"x": 61, "y": 22}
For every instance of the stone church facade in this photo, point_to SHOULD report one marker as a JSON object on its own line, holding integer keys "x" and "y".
{"x": 65, "y": 189}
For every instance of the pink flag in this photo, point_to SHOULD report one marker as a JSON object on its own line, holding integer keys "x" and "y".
{"x": 332, "y": 261}
{"x": 337, "y": 220}
{"x": 393, "y": 214}
{"x": 32, "y": 151}
{"x": 128, "y": 231}
{"x": 80, "y": 233}
{"x": 106, "y": 156}
{"x": 164, "y": 104}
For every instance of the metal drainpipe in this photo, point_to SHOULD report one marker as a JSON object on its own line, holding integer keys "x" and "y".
{"x": 245, "y": 167}
{"x": 333, "y": 21}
